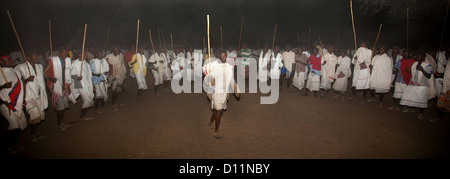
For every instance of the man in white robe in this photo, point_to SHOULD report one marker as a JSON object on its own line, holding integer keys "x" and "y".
{"x": 167, "y": 71}
{"x": 442, "y": 59}
{"x": 219, "y": 81}
{"x": 11, "y": 101}
{"x": 396, "y": 56}
{"x": 276, "y": 64}
{"x": 443, "y": 103}
{"x": 35, "y": 92}
{"x": 343, "y": 72}
{"x": 82, "y": 86}
{"x": 197, "y": 63}
{"x": 301, "y": 70}
{"x": 157, "y": 70}
{"x": 329, "y": 61}
{"x": 361, "y": 71}
{"x": 117, "y": 74}
{"x": 264, "y": 59}
{"x": 58, "y": 81}
{"x": 315, "y": 67}
{"x": 416, "y": 94}
{"x": 380, "y": 79}
{"x": 99, "y": 69}
{"x": 231, "y": 55}
{"x": 288, "y": 58}
{"x": 190, "y": 62}
{"x": 138, "y": 64}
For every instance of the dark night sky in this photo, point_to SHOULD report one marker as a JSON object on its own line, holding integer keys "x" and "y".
{"x": 189, "y": 16}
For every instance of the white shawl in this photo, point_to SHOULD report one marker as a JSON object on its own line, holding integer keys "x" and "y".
{"x": 57, "y": 69}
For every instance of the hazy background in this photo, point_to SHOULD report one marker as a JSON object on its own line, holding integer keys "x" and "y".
{"x": 186, "y": 20}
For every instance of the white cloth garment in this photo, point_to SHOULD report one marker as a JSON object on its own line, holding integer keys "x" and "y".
{"x": 441, "y": 61}
{"x": 57, "y": 69}
{"x": 16, "y": 119}
{"x": 35, "y": 91}
{"x": 288, "y": 59}
{"x": 158, "y": 74}
{"x": 340, "y": 83}
{"x": 100, "y": 66}
{"x": 87, "y": 89}
{"x": 361, "y": 77}
{"x": 416, "y": 93}
{"x": 275, "y": 66}
{"x": 300, "y": 77}
{"x": 223, "y": 74}
{"x": 198, "y": 60}
{"x": 313, "y": 83}
{"x": 140, "y": 70}
{"x": 446, "y": 82}
{"x": 328, "y": 70}
{"x": 380, "y": 79}
{"x": 263, "y": 71}
{"x": 118, "y": 67}
{"x": 167, "y": 71}
{"x": 399, "y": 57}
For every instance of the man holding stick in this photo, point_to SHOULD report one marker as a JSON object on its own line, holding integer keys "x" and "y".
{"x": 158, "y": 71}
{"x": 35, "y": 92}
{"x": 139, "y": 66}
{"x": 380, "y": 79}
{"x": 218, "y": 82}
{"x": 99, "y": 69}
{"x": 301, "y": 70}
{"x": 288, "y": 59}
{"x": 58, "y": 81}
{"x": 11, "y": 102}
{"x": 329, "y": 61}
{"x": 117, "y": 73}
{"x": 82, "y": 85}
{"x": 361, "y": 72}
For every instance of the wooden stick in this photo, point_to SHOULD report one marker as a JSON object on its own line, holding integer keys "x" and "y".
{"x": 151, "y": 41}
{"x": 407, "y": 29}
{"x": 50, "y": 37}
{"x": 82, "y": 49}
{"x": 321, "y": 44}
{"x": 353, "y": 24}
{"x": 376, "y": 40}
{"x": 171, "y": 42}
{"x": 109, "y": 28}
{"x": 159, "y": 36}
{"x": 240, "y": 34}
{"x": 221, "y": 42}
{"x": 3, "y": 74}
{"x": 274, "y": 35}
{"x": 209, "y": 44}
{"x": 18, "y": 40}
{"x": 320, "y": 41}
{"x": 137, "y": 37}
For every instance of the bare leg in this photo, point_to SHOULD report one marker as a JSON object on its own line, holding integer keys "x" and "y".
{"x": 60, "y": 117}
{"x": 217, "y": 120}
{"x": 213, "y": 117}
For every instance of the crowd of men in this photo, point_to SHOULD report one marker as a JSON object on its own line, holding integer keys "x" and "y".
{"x": 413, "y": 77}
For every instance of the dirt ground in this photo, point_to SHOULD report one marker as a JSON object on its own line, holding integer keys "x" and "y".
{"x": 296, "y": 127}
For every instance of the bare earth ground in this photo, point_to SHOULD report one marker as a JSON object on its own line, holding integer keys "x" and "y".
{"x": 175, "y": 126}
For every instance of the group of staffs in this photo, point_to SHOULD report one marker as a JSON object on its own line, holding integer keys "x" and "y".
{"x": 208, "y": 36}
